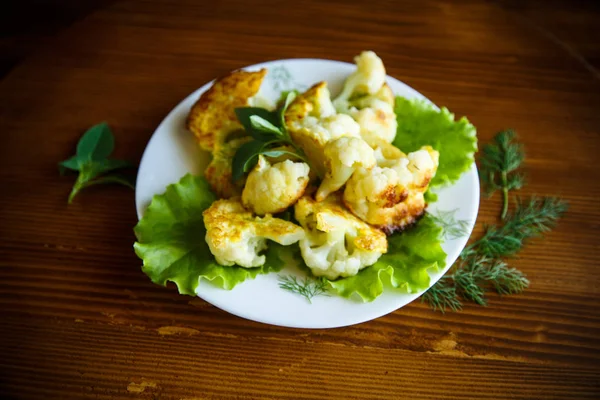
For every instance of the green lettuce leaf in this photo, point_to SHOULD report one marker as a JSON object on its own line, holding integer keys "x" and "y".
{"x": 172, "y": 246}
{"x": 420, "y": 124}
{"x": 410, "y": 255}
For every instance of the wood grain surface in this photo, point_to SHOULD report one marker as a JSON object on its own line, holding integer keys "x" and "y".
{"x": 80, "y": 320}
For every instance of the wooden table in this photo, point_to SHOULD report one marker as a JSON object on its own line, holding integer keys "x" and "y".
{"x": 79, "y": 318}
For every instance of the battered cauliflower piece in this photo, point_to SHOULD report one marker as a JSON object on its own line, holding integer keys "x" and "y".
{"x": 273, "y": 188}
{"x": 236, "y": 236}
{"x": 342, "y": 157}
{"x": 218, "y": 172}
{"x": 336, "y": 242}
{"x": 312, "y": 121}
{"x": 369, "y": 100}
{"x": 212, "y": 118}
{"x": 392, "y": 198}
{"x": 375, "y": 115}
{"x": 368, "y": 78}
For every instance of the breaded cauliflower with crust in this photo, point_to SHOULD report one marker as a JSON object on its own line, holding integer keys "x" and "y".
{"x": 342, "y": 157}
{"x": 312, "y": 121}
{"x": 369, "y": 100}
{"x": 273, "y": 188}
{"x": 368, "y": 78}
{"x": 235, "y": 236}
{"x": 212, "y": 117}
{"x": 337, "y": 244}
{"x": 218, "y": 172}
{"x": 392, "y": 197}
{"x": 375, "y": 115}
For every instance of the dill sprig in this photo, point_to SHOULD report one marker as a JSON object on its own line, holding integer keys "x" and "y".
{"x": 529, "y": 220}
{"x": 471, "y": 280}
{"x": 480, "y": 268}
{"x": 499, "y": 161}
{"x": 307, "y": 287}
{"x": 442, "y": 296}
{"x": 452, "y": 228}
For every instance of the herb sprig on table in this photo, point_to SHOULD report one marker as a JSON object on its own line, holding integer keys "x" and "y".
{"x": 481, "y": 267}
{"x": 499, "y": 163}
{"x": 269, "y": 134}
{"x": 92, "y": 162}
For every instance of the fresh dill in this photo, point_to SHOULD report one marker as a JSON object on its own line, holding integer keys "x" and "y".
{"x": 480, "y": 268}
{"x": 307, "y": 287}
{"x": 529, "y": 220}
{"x": 452, "y": 228}
{"x": 471, "y": 280}
{"x": 499, "y": 162}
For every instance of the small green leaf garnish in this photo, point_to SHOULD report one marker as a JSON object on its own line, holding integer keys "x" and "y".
{"x": 260, "y": 124}
{"x": 91, "y": 160}
{"x": 499, "y": 162}
{"x": 308, "y": 287}
{"x": 268, "y": 130}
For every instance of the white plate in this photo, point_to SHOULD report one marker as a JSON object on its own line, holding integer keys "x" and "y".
{"x": 172, "y": 152}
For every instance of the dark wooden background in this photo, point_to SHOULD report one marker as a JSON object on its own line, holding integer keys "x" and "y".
{"x": 80, "y": 320}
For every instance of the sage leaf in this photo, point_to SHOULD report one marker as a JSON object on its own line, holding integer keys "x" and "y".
{"x": 97, "y": 143}
{"x": 245, "y": 158}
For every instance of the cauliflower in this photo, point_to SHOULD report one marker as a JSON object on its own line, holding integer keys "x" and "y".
{"x": 235, "y": 236}
{"x": 218, "y": 171}
{"x": 336, "y": 242}
{"x": 212, "y": 118}
{"x": 312, "y": 121}
{"x": 368, "y": 78}
{"x": 369, "y": 100}
{"x": 273, "y": 188}
{"x": 343, "y": 156}
{"x": 375, "y": 115}
{"x": 391, "y": 197}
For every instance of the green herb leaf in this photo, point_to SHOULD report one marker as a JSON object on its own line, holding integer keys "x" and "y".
{"x": 498, "y": 162}
{"x": 245, "y": 158}
{"x": 91, "y": 162}
{"x": 420, "y": 124}
{"x": 72, "y": 163}
{"x": 171, "y": 241}
{"x": 262, "y": 125}
{"x": 244, "y": 115}
{"x": 96, "y": 144}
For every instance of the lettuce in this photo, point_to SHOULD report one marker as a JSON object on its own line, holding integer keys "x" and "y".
{"x": 410, "y": 255}
{"x": 420, "y": 124}
{"x": 172, "y": 246}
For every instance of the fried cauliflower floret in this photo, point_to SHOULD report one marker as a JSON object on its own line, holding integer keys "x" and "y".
{"x": 391, "y": 198}
{"x": 375, "y": 115}
{"x": 336, "y": 242}
{"x": 369, "y": 100}
{"x": 368, "y": 78}
{"x": 342, "y": 157}
{"x": 212, "y": 118}
{"x": 236, "y": 236}
{"x": 218, "y": 171}
{"x": 312, "y": 121}
{"x": 273, "y": 188}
